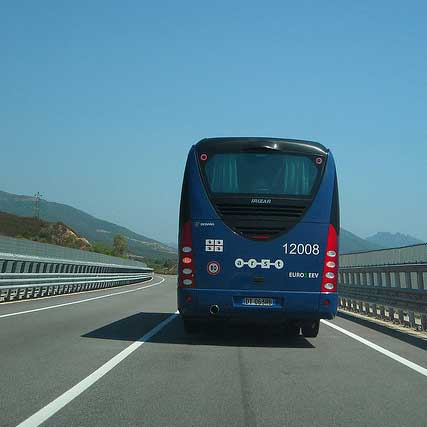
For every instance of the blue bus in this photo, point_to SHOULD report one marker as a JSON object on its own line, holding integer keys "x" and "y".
{"x": 258, "y": 233}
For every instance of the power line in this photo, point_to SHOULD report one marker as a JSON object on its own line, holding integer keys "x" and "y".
{"x": 37, "y": 198}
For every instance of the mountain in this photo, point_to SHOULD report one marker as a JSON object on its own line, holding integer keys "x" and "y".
{"x": 97, "y": 230}
{"x": 390, "y": 240}
{"x": 55, "y": 233}
{"x": 349, "y": 243}
{"x": 88, "y": 226}
{"x": 173, "y": 245}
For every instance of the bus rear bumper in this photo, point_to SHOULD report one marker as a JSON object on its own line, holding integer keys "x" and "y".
{"x": 197, "y": 303}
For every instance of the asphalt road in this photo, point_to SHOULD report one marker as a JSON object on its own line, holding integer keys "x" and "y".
{"x": 243, "y": 376}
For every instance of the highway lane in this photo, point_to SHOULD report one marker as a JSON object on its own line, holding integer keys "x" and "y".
{"x": 43, "y": 353}
{"x": 241, "y": 376}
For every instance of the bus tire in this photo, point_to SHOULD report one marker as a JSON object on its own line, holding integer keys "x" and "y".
{"x": 191, "y": 326}
{"x": 310, "y": 328}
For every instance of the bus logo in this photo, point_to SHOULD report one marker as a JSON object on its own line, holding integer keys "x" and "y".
{"x": 264, "y": 263}
{"x": 261, "y": 201}
{"x": 214, "y": 245}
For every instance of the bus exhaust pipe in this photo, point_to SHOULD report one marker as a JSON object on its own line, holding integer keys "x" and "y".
{"x": 214, "y": 309}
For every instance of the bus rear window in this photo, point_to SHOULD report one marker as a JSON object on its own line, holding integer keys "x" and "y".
{"x": 267, "y": 173}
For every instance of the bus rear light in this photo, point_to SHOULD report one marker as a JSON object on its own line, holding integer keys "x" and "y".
{"x": 188, "y": 298}
{"x": 186, "y": 267}
{"x": 330, "y": 267}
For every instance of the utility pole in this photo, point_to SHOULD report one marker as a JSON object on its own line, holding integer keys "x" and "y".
{"x": 37, "y": 198}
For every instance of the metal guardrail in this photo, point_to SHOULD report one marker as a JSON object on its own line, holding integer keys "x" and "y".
{"x": 14, "y": 263}
{"x": 395, "y": 293}
{"x": 414, "y": 254}
{"x": 54, "y": 271}
{"x": 10, "y": 245}
{"x": 22, "y": 291}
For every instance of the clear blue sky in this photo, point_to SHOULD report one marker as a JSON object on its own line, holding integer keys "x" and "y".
{"x": 100, "y": 101}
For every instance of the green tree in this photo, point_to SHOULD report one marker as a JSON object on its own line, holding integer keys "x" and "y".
{"x": 120, "y": 245}
{"x": 101, "y": 248}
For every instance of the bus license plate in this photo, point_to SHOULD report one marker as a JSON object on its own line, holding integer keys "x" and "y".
{"x": 257, "y": 301}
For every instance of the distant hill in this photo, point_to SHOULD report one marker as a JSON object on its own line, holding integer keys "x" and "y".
{"x": 390, "y": 240}
{"x": 172, "y": 245}
{"x": 88, "y": 226}
{"x": 97, "y": 230}
{"x": 349, "y": 243}
{"x": 55, "y": 233}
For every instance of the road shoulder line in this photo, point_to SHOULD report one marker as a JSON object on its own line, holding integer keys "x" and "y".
{"x": 17, "y": 313}
{"x": 388, "y": 353}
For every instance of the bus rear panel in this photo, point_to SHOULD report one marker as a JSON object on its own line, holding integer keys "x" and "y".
{"x": 258, "y": 232}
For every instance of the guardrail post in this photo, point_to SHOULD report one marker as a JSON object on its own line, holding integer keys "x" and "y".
{"x": 397, "y": 279}
{"x": 4, "y": 267}
{"x": 408, "y": 280}
{"x": 411, "y": 316}
{"x": 356, "y": 278}
{"x": 379, "y": 279}
{"x": 420, "y": 280}
{"x": 387, "y": 279}
{"x": 353, "y": 305}
{"x": 424, "y": 322}
{"x": 368, "y": 308}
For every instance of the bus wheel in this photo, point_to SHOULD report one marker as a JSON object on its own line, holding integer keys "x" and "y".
{"x": 191, "y": 326}
{"x": 310, "y": 328}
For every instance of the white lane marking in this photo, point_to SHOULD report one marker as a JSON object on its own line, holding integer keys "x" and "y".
{"x": 388, "y": 353}
{"x": 17, "y": 313}
{"x": 53, "y": 407}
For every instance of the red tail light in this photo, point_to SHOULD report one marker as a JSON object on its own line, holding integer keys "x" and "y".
{"x": 186, "y": 258}
{"x": 330, "y": 267}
